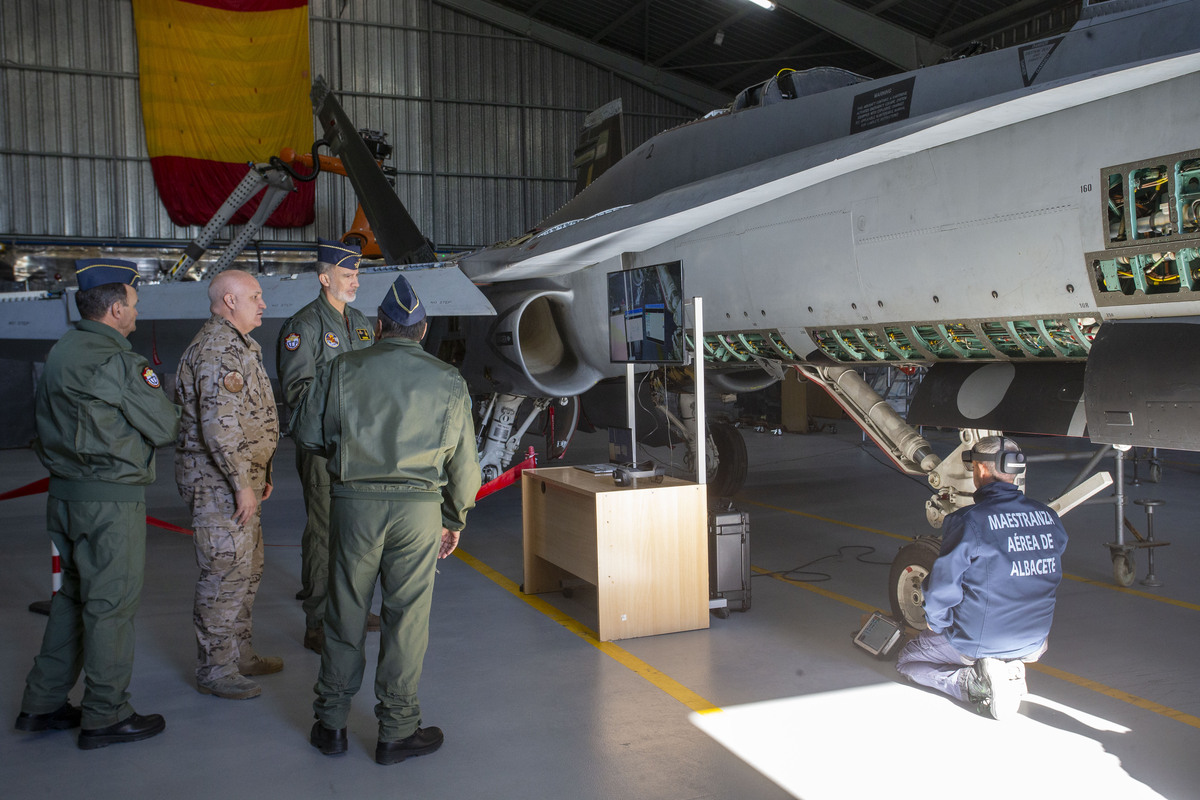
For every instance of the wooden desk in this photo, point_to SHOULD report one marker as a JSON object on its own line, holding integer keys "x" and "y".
{"x": 643, "y": 547}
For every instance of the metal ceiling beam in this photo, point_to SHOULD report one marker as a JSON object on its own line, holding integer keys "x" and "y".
{"x": 741, "y": 80}
{"x": 1004, "y": 18}
{"x": 633, "y": 11}
{"x": 880, "y": 38}
{"x": 694, "y": 95}
{"x": 704, "y": 37}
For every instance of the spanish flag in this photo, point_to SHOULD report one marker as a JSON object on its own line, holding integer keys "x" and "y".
{"x": 223, "y": 83}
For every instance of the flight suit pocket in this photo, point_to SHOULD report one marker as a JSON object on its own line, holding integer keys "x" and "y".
{"x": 96, "y": 422}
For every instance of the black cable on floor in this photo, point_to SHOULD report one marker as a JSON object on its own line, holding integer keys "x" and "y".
{"x": 790, "y": 574}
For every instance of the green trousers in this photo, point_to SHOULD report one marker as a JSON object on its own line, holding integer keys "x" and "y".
{"x": 396, "y": 541}
{"x": 314, "y": 544}
{"x": 102, "y": 550}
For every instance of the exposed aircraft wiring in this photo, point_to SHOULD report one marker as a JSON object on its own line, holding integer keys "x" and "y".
{"x": 670, "y": 464}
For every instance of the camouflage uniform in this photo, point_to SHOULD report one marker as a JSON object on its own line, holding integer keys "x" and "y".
{"x": 100, "y": 414}
{"x": 308, "y": 343}
{"x": 397, "y": 427}
{"x": 227, "y": 438}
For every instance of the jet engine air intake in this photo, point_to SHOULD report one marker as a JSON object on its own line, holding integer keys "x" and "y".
{"x": 535, "y": 338}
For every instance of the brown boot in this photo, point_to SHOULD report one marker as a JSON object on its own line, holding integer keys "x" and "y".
{"x": 260, "y": 665}
{"x": 314, "y": 639}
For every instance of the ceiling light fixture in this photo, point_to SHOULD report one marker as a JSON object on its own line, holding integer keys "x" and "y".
{"x": 767, "y": 4}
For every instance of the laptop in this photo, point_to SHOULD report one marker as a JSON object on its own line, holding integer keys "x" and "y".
{"x": 620, "y": 452}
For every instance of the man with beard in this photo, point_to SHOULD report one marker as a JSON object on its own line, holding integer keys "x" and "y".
{"x": 308, "y": 343}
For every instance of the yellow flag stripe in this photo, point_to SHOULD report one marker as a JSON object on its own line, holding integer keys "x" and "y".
{"x": 223, "y": 85}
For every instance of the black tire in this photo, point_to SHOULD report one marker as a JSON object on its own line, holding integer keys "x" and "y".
{"x": 909, "y": 568}
{"x": 732, "y": 464}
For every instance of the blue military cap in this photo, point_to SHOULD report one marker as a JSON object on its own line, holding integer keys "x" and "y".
{"x": 339, "y": 254}
{"x": 401, "y": 304}
{"x": 93, "y": 272}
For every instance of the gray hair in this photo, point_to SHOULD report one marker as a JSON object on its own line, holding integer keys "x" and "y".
{"x": 990, "y": 445}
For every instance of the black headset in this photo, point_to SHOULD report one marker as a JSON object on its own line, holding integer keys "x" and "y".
{"x": 1006, "y": 462}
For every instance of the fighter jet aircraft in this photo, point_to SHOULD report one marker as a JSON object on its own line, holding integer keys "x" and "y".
{"x": 1007, "y": 218}
{"x": 1025, "y": 222}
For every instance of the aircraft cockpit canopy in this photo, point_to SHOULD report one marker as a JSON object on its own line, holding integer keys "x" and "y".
{"x": 788, "y": 84}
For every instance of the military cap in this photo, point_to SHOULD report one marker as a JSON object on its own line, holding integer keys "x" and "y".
{"x": 401, "y": 304}
{"x": 93, "y": 272}
{"x": 339, "y": 254}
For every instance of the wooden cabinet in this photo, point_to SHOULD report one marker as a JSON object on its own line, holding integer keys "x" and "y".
{"x": 643, "y": 547}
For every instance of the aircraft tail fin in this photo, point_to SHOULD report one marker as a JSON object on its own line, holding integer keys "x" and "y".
{"x": 601, "y": 144}
{"x": 399, "y": 238}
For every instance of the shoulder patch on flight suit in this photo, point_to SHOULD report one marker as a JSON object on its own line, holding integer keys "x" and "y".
{"x": 331, "y": 339}
{"x": 151, "y": 378}
{"x": 291, "y": 341}
{"x": 234, "y": 381}
{"x": 363, "y": 334}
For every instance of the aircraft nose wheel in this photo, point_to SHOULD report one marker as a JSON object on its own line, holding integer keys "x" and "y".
{"x": 909, "y": 569}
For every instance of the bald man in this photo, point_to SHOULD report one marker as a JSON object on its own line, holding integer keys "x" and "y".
{"x": 227, "y": 438}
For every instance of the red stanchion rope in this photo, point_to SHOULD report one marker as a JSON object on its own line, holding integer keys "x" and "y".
{"x": 37, "y": 487}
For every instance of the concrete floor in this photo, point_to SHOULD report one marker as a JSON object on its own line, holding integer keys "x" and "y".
{"x": 534, "y": 709}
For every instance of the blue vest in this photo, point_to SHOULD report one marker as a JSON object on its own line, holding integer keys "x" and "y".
{"x": 991, "y": 590}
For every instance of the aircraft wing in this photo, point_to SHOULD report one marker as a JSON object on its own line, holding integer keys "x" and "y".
{"x": 442, "y": 287}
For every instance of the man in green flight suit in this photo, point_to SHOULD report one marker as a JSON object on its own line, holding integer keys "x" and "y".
{"x": 308, "y": 342}
{"x": 101, "y": 411}
{"x": 396, "y": 426}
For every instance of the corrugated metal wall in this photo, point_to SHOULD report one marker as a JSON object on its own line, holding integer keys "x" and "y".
{"x": 483, "y": 122}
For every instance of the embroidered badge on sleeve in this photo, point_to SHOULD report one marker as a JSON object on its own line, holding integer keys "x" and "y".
{"x": 151, "y": 378}
{"x": 291, "y": 341}
{"x": 233, "y": 381}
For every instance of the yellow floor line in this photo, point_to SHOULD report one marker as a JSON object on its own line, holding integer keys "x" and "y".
{"x": 619, "y": 654}
{"x": 1134, "y": 592}
{"x": 830, "y": 520}
{"x": 812, "y": 587}
{"x": 1108, "y": 691}
{"x": 1117, "y": 694}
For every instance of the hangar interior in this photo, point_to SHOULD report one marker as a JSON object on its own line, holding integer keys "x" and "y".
{"x": 482, "y": 103}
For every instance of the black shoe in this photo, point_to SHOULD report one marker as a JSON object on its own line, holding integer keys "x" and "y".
{"x": 65, "y": 718}
{"x": 329, "y": 741}
{"x": 314, "y": 639}
{"x": 133, "y": 728}
{"x": 421, "y": 743}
